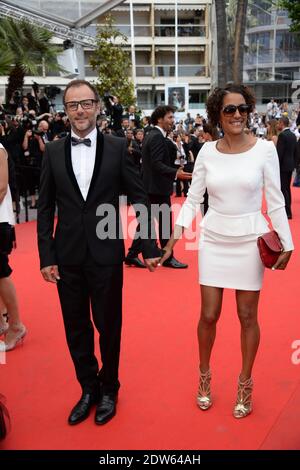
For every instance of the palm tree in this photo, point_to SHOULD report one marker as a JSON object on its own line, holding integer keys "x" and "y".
{"x": 239, "y": 41}
{"x": 231, "y": 17}
{"x": 221, "y": 41}
{"x": 28, "y": 46}
{"x": 6, "y": 59}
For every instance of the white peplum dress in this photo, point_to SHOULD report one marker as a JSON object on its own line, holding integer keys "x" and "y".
{"x": 228, "y": 253}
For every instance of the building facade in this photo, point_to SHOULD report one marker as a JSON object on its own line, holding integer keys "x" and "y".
{"x": 272, "y": 58}
{"x": 168, "y": 46}
{"x": 169, "y": 41}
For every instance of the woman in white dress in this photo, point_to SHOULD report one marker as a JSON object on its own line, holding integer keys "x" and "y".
{"x": 13, "y": 330}
{"x": 235, "y": 169}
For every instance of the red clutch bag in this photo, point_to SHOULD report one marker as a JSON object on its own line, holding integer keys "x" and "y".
{"x": 270, "y": 247}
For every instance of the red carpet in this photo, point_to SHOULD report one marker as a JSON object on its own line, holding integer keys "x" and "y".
{"x": 159, "y": 363}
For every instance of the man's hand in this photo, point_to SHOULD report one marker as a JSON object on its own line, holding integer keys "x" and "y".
{"x": 282, "y": 260}
{"x": 151, "y": 263}
{"x": 183, "y": 175}
{"x": 50, "y": 273}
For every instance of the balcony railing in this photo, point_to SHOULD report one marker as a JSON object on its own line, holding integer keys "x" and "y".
{"x": 191, "y": 71}
{"x": 183, "y": 30}
{"x": 144, "y": 71}
{"x": 165, "y": 71}
{"x": 168, "y": 30}
{"x": 183, "y": 70}
{"x": 266, "y": 57}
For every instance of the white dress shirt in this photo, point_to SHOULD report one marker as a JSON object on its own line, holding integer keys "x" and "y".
{"x": 83, "y": 161}
{"x": 161, "y": 130}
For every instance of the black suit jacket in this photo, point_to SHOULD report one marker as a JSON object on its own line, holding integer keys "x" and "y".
{"x": 287, "y": 150}
{"x": 78, "y": 218}
{"x": 158, "y": 173}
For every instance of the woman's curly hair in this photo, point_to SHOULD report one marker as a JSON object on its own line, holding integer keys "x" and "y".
{"x": 215, "y": 100}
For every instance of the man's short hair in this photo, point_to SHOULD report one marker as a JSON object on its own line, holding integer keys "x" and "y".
{"x": 285, "y": 120}
{"x": 78, "y": 83}
{"x": 160, "y": 112}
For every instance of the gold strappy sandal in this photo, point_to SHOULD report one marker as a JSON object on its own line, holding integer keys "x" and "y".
{"x": 243, "y": 406}
{"x": 204, "y": 396}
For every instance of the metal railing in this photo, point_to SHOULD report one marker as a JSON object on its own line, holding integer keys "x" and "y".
{"x": 266, "y": 56}
{"x": 166, "y": 30}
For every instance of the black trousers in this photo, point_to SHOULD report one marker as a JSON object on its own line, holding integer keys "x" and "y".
{"x": 285, "y": 179}
{"x": 98, "y": 287}
{"x": 163, "y": 215}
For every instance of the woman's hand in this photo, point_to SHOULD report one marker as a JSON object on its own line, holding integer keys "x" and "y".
{"x": 151, "y": 263}
{"x": 283, "y": 260}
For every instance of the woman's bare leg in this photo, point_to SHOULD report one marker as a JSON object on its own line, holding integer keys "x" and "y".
{"x": 247, "y": 306}
{"x": 211, "y": 304}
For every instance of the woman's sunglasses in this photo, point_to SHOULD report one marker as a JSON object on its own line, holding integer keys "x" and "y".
{"x": 230, "y": 109}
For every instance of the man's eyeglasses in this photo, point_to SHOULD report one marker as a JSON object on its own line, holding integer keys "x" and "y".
{"x": 230, "y": 109}
{"x": 85, "y": 104}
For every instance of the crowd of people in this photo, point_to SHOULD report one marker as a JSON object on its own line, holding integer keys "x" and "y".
{"x": 31, "y": 121}
{"x": 88, "y": 156}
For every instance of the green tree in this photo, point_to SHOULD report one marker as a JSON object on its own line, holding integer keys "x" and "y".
{"x": 27, "y": 47}
{"x": 112, "y": 63}
{"x": 6, "y": 59}
{"x": 293, "y": 8}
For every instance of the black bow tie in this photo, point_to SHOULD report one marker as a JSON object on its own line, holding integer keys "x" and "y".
{"x": 76, "y": 141}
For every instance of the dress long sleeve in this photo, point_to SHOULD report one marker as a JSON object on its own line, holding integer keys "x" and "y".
{"x": 275, "y": 199}
{"x": 195, "y": 195}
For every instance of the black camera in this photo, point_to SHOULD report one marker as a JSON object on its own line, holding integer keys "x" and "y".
{"x": 37, "y": 132}
{"x": 28, "y": 121}
{"x": 62, "y": 134}
{"x": 51, "y": 91}
{"x": 17, "y": 97}
{"x": 107, "y": 101}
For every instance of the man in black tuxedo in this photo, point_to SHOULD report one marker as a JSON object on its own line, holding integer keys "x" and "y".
{"x": 83, "y": 174}
{"x": 287, "y": 153}
{"x": 158, "y": 176}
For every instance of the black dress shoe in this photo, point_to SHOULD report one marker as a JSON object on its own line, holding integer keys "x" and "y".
{"x": 82, "y": 409}
{"x": 129, "y": 261}
{"x": 174, "y": 263}
{"x": 106, "y": 408}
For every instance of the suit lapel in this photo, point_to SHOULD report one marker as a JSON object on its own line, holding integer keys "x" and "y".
{"x": 98, "y": 160}
{"x": 69, "y": 166}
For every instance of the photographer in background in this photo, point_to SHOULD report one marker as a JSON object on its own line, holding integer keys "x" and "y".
{"x": 58, "y": 125}
{"x": 34, "y": 146}
{"x": 115, "y": 110}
